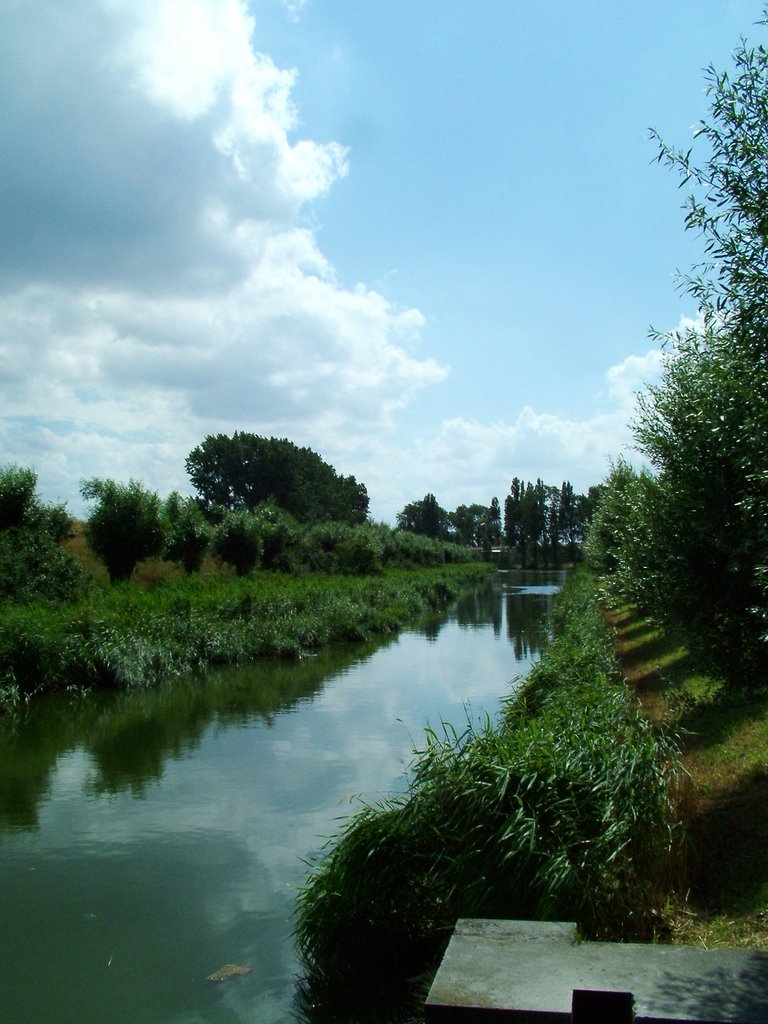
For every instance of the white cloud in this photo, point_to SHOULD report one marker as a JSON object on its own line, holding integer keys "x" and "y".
{"x": 627, "y": 379}
{"x": 472, "y": 461}
{"x": 162, "y": 286}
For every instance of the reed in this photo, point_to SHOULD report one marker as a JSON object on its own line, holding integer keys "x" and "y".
{"x": 563, "y": 809}
{"x": 127, "y": 636}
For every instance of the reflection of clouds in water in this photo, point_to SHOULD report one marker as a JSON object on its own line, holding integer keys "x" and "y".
{"x": 208, "y": 854}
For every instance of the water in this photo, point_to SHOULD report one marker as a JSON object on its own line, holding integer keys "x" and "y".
{"x": 149, "y": 838}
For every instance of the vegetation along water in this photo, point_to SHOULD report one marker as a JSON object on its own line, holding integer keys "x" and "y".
{"x": 149, "y": 836}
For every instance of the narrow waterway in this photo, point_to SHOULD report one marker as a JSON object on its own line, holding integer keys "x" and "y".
{"x": 149, "y": 838}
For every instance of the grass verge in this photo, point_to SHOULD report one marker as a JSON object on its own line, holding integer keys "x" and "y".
{"x": 563, "y": 809}
{"x": 126, "y": 635}
{"x": 723, "y": 899}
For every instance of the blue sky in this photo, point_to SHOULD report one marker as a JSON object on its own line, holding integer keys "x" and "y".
{"x": 427, "y": 239}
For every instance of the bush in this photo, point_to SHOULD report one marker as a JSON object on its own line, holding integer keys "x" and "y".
{"x": 187, "y": 533}
{"x": 238, "y": 540}
{"x": 125, "y": 526}
{"x": 280, "y": 534}
{"x": 17, "y": 495}
{"x": 33, "y": 567}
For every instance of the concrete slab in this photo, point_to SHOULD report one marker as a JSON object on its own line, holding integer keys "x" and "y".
{"x": 525, "y": 972}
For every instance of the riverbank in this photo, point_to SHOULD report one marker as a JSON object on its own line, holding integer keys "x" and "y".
{"x": 561, "y": 809}
{"x": 128, "y": 635}
{"x": 722, "y": 899}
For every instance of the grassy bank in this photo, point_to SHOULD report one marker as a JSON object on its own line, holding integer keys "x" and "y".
{"x": 723, "y": 898}
{"x": 562, "y": 809}
{"x": 129, "y": 635}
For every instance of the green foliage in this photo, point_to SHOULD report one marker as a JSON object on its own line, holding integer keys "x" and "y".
{"x": 17, "y": 495}
{"x": 467, "y": 524}
{"x": 539, "y": 519}
{"x": 125, "y": 525}
{"x": 563, "y": 811}
{"x": 238, "y": 540}
{"x": 246, "y": 470}
{"x": 33, "y": 566}
{"x": 426, "y": 517}
{"x": 694, "y": 549}
{"x": 124, "y": 636}
{"x": 187, "y": 533}
{"x": 281, "y": 535}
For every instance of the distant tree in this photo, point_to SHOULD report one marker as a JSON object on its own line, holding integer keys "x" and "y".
{"x": 426, "y": 517}
{"x": 125, "y": 525}
{"x": 553, "y": 524}
{"x": 245, "y": 470}
{"x": 33, "y": 564}
{"x": 238, "y": 540}
{"x": 466, "y": 524}
{"x": 17, "y": 495}
{"x": 493, "y": 516}
{"x": 187, "y": 532}
{"x": 512, "y": 513}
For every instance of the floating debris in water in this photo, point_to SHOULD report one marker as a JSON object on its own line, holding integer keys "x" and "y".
{"x": 228, "y": 971}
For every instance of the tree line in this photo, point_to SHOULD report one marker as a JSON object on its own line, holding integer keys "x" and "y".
{"x": 539, "y": 525}
{"x": 687, "y": 540}
{"x": 261, "y": 502}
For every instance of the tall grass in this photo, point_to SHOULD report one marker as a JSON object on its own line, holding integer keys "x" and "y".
{"x": 562, "y": 810}
{"x": 127, "y": 636}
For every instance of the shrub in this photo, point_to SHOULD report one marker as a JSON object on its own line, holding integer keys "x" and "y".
{"x": 125, "y": 526}
{"x": 238, "y": 540}
{"x": 17, "y": 495}
{"x": 187, "y": 533}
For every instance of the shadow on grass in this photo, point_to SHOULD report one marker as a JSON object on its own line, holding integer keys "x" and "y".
{"x": 729, "y": 849}
{"x": 711, "y": 725}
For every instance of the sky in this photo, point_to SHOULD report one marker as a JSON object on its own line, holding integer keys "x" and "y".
{"x": 427, "y": 239}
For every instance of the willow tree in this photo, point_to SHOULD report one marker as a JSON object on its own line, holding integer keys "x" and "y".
{"x": 704, "y": 427}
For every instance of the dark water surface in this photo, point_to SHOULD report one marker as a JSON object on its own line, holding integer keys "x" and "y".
{"x": 148, "y": 838}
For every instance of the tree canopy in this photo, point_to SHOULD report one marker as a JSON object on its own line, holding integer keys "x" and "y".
{"x": 690, "y": 544}
{"x": 246, "y": 470}
{"x": 125, "y": 525}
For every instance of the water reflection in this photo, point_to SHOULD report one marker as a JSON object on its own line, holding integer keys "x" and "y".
{"x": 148, "y": 838}
{"x": 131, "y": 735}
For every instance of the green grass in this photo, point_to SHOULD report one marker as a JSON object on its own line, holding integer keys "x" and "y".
{"x": 722, "y": 899}
{"x": 563, "y": 810}
{"x": 128, "y": 635}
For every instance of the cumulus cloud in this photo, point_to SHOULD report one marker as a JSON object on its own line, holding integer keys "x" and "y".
{"x": 158, "y": 283}
{"x": 468, "y": 460}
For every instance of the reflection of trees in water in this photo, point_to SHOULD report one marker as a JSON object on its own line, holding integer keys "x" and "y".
{"x": 478, "y": 607}
{"x": 131, "y": 735}
{"x": 528, "y": 623}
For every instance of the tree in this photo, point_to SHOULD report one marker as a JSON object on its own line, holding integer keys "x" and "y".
{"x": 33, "y": 565}
{"x": 125, "y": 525}
{"x": 245, "y": 470}
{"x": 17, "y": 495}
{"x": 238, "y": 540}
{"x": 465, "y": 524}
{"x": 512, "y": 513}
{"x": 493, "y": 519}
{"x": 426, "y": 517}
{"x": 553, "y": 523}
{"x": 187, "y": 533}
{"x": 704, "y": 427}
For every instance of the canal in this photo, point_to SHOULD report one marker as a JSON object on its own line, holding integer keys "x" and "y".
{"x": 148, "y": 838}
